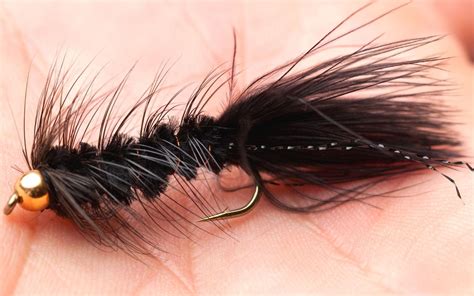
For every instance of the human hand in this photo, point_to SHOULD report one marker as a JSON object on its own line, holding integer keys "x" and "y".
{"x": 420, "y": 244}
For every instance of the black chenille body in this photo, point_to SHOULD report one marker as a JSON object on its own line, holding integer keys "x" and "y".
{"x": 128, "y": 164}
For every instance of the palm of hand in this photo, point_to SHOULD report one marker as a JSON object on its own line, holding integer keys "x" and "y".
{"x": 417, "y": 244}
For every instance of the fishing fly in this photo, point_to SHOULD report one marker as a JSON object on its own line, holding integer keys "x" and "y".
{"x": 369, "y": 115}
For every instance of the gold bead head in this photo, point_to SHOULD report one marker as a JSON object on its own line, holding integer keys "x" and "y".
{"x": 31, "y": 192}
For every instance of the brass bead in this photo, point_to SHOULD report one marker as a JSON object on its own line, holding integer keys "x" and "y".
{"x": 32, "y": 191}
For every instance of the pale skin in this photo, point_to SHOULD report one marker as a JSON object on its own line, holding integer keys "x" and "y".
{"x": 419, "y": 244}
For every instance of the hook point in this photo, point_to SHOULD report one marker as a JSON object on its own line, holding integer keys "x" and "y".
{"x": 237, "y": 212}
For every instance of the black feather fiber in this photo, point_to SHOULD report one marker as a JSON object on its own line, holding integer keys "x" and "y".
{"x": 366, "y": 115}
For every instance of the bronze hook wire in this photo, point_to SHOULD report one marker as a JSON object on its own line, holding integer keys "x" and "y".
{"x": 12, "y": 201}
{"x": 226, "y": 214}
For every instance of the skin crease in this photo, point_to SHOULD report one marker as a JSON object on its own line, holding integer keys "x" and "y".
{"x": 419, "y": 244}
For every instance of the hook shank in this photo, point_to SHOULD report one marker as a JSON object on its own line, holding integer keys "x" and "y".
{"x": 12, "y": 201}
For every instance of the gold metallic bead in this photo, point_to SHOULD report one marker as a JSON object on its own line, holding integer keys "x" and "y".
{"x": 32, "y": 191}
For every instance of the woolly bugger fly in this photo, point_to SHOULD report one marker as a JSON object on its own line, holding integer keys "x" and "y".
{"x": 368, "y": 115}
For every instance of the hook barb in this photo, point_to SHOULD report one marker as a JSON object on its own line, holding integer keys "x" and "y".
{"x": 226, "y": 214}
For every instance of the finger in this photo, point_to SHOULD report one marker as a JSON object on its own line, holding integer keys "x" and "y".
{"x": 457, "y": 15}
